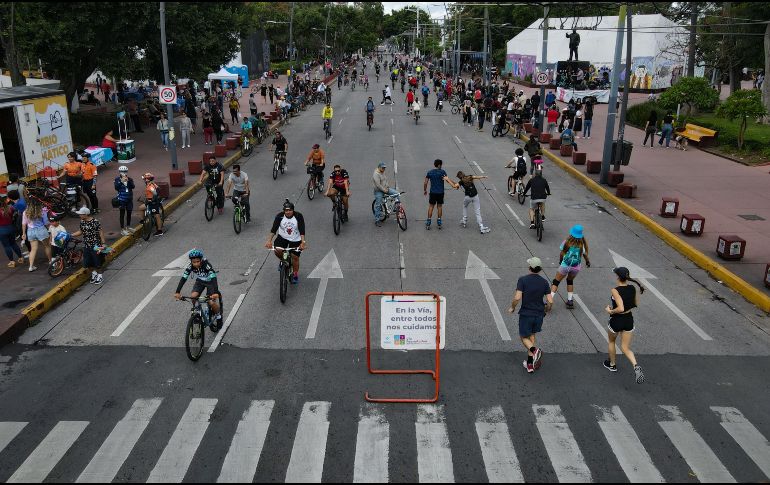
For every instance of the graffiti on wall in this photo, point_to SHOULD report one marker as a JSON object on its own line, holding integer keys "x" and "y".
{"x": 520, "y": 66}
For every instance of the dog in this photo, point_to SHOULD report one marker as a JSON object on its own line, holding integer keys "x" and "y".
{"x": 681, "y": 142}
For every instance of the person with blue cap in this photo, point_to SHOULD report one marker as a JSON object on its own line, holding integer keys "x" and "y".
{"x": 573, "y": 250}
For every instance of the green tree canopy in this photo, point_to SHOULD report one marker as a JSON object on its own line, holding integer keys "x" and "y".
{"x": 743, "y": 104}
{"x": 692, "y": 92}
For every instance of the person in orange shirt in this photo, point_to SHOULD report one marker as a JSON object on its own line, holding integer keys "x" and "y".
{"x": 89, "y": 181}
{"x": 73, "y": 170}
{"x": 316, "y": 162}
{"x": 152, "y": 200}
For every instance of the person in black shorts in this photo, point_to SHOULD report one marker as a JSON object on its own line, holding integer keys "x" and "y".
{"x": 530, "y": 291}
{"x": 436, "y": 177}
{"x": 289, "y": 232}
{"x": 339, "y": 182}
{"x": 205, "y": 279}
{"x": 521, "y": 168}
{"x": 281, "y": 145}
{"x": 624, "y": 298}
{"x": 213, "y": 175}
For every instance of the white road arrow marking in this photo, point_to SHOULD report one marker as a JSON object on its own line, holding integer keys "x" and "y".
{"x": 476, "y": 269}
{"x": 174, "y": 268}
{"x": 329, "y": 267}
{"x": 645, "y": 277}
{"x": 443, "y": 121}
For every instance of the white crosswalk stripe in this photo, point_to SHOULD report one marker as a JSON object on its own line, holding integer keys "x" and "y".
{"x": 566, "y": 457}
{"x": 8, "y": 432}
{"x": 496, "y": 447}
{"x": 243, "y": 457}
{"x": 372, "y": 446}
{"x": 307, "y": 455}
{"x": 633, "y": 458}
{"x": 434, "y": 456}
{"x": 747, "y": 436}
{"x": 40, "y": 462}
{"x": 178, "y": 454}
{"x": 107, "y": 461}
{"x": 693, "y": 448}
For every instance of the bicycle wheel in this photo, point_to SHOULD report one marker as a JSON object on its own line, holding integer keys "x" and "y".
{"x": 401, "y": 217}
{"x": 246, "y": 149}
{"x": 505, "y": 129}
{"x": 275, "y": 169}
{"x": 193, "y": 338}
{"x": 237, "y": 220}
{"x": 147, "y": 224}
{"x": 539, "y": 225}
{"x": 56, "y": 267}
{"x": 282, "y": 165}
{"x": 209, "y": 208}
{"x": 311, "y": 187}
{"x": 455, "y": 110}
{"x": 76, "y": 256}
{"x": 336, "y": 219}
{"x": 520, "y": 194}
{"x": 495, "y": 131}
{"x": 283, "y": 283}
{"x": 511, "y": 183}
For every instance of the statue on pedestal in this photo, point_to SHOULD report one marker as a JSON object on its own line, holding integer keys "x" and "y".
{"x": 574, "y": 42}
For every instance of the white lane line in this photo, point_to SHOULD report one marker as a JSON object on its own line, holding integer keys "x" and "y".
{"x": 395, "y": 166}
{"x": 347, "y": 109}
{"x": 315, "y": 314}
{"x": 340, "y": 123}
{"x": 372, "y": 446}
{"x": 180, "y": 450}
{"x": 679, "y": 313}
{"x": 602, "y": 330}
{"x": 501, "y": 328}
{"x": 106, "y": 463}
{"x": 391, "y": 122}
{"x": 246, "y": 448}
{"x": 563, "y": 450}
{"x": 391, "y": 108}
{"x": 496, "y": 447}
{"x": 403, "y": 265}
{"x": 625, "y": 444}
{"x": 228, "y": 321}
{"x": 136, "y": 311}
{"x": 494, "y": 188}
{"x": 8, "y": 432}
{"x": 393, "y": 137}
{"x": 521, "y": 223}
{"x": 250, "y": 268}
{"x": 307, "y": 455}
{"x": 434, "y": 456}
{"x": 40, "y": 462}
{"x": 746, "y": 435}
{"x": 330, "y": 140}
{"x": 457, "y": 139}
{"x": 703, "y": 462}
{"x": 478, "y": 166}
{"x": 444, "y": 121}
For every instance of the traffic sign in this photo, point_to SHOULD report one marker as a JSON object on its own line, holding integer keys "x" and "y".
{"x": 167, "y": 94}
{"x": 541, "y": 79}
{"x": 409, "y": 323}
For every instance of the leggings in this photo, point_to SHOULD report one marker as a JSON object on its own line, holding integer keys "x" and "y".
{"x": 8, "y": 240}
{"x": 125, "y": 213}
{"x": 651, "y": 136}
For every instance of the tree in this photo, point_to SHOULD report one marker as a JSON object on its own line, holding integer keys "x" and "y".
{"x": 692, "y": 92}
{"x": 8, "y": 42}
{"x": 742, "y": 104}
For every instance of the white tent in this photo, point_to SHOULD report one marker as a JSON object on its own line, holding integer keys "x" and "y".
{"x": 223, "y": 75}
{"x": 656, "y": 59}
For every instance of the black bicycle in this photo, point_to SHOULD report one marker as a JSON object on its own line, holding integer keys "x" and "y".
{"x": 211, "y": 198}
{"x": 539, "y": 221}
{"x": 314, "y": 183}
{"x": 148, "y": 221}
{"x": 200, "y": 318}
{"x": 279, "y": 163}
{"x": 285, "y": 271}
{"x": 369, "y": 119}
{"x": 328, "y": 128}
{"x": 338, "y": 215}
{"x": 70, "y": 256}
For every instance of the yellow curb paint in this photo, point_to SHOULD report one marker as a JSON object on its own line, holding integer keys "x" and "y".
{"x": 715, "y": 269}
{"x": 63, "y": 290}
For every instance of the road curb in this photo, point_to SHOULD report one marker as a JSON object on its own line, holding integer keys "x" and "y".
{"x": 63, "y": 290}
{"x": 12, "y": 326}
{"x": 730, "y": 279}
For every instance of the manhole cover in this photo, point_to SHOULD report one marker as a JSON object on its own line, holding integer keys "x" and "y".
{"x": 751, "y": 217}
{"x": 15, "y": 303}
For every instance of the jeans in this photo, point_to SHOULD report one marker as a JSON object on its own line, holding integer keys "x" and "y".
{"x": 378, "y": 195}
{"x": 8, "y": 240}
{"x": 164, "y": 138}
{"x": 587, "y": 128}
{"x": 185, "y": 138}
{"x": 476, "y": 208}
{"x": 666, "y": 133}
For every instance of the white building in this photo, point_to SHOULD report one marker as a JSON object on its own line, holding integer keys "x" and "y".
{"x": 657, "y": 55}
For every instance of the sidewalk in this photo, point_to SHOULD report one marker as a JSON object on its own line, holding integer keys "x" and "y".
{"x": 21, "y": 288}
{"x": 718, "y": 189}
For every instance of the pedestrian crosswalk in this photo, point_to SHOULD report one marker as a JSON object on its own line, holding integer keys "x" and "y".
{"x": 440, "y": 455}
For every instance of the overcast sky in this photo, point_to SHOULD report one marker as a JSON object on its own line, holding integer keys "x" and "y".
{"x": 436, "y": 9}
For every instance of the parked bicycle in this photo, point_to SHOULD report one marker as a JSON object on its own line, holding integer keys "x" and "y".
{"x": 391, "y": 204}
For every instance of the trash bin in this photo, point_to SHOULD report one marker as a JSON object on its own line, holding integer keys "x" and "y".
{"x": 625, "y": 152}
{"x": 126, "y": 151}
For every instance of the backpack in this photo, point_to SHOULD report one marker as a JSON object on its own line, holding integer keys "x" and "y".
{"x": 572, "y": 257}
{"x": 521, "y": 165}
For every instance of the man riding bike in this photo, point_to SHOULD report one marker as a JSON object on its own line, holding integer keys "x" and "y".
{"x": 339, "y": 82}
{"x": 425, "y": 92}
{"x": 238, "y": 182}
{"x": 316, "y": 162}
{"x": 289, "y": 226}
{"x": 370, "y": 110}
{"x": 205, "y": 278}
{"x": 540, "y": 190}
{"x": 339, "y": 182}
{"x": 328, "y": 93}
{"x": 327, "y": 114}
{"x": 280, "y": 146}
{"x": 247, "y": 129}
{"x": 416, "y": 108}
{"x": 214, "y": 175}
{"x": 152, "y": 200}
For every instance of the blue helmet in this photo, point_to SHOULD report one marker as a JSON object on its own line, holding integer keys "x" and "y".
{"x": 195, "y": 253}
{"x": 61, "y": 239}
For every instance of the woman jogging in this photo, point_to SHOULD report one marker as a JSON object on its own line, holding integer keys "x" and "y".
{"x": 573, "y": 250}
{"x": 624, "y": 299}
{"x": 471, "y": 197}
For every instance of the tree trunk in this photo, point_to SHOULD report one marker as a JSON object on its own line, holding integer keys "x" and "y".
{"x": 741, "y": 133}
{"x": 11, "y": 56}
{"x": 766, "y": 85}
{"x": 736, "y": 74}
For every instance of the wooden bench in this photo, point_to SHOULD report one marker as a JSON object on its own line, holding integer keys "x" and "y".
{"x": 703, "y": 136}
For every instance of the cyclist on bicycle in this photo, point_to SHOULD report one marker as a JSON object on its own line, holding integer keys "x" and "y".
{"x": 409, "y": 101}
{"x": 381, "y": 189}
{"x": 238, "y": 182}
{"x": 328, "y": 93}
{"x": 205, "y": 278}
{"x": 152, "y": 201}
{"x": 316, "y": 162}
{"x": 425, "y": 91}
{"x": 521, "y": 168}
{"x": 339, "y": 181}
{"x": 281, "y": 146}
{"x": 366, "y": 81}
{"x": 370, "y": 109}
{"x": 289, "y": 226}
{"x": 540, "y": 190}
{"x": 339, "y": 82}
{"x": 354, "y": 76}
{"x": 247, "y": 129}
{"x": 327, "y": 114}
{"x": 416, "y": 108}
{"x": 213, "y": 175}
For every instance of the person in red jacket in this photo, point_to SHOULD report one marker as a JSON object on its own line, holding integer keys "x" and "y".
{"x": 409, "y": 101}
{"x": 553, "y": 117}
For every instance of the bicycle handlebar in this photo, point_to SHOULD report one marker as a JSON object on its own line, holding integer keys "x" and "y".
{"x": 296, "y": 250}
{"x": 201, "y": 299}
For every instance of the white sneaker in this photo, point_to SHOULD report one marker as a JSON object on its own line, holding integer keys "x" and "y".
{"x": 98, "y": 280}
{"x": 130, "y": 230}
{"x": 94, "y": 274}
{"x": 123, "y": 232}
{"x": 484, "y": 229}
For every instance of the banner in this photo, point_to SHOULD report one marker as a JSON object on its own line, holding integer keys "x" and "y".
{"x": 409, "y": 323}
{"x": 565, "y": 95}
{"x": 53, "y": 125}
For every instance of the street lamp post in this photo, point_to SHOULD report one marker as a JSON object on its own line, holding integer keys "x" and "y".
{"x": 328, "y": 13}
{"x": 291, "y": 39}
{"x": 167, "y": 78}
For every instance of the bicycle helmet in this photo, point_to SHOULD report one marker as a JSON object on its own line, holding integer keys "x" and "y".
{"x": 287, "y": 205}
{"x": 123, "y": 169}
{"x": 195, "y": 253}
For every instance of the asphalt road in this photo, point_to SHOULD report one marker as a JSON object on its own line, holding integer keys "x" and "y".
{"x": 107, "y": 392}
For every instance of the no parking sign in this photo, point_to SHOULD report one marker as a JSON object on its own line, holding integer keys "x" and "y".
{"x": 167, "y": 94}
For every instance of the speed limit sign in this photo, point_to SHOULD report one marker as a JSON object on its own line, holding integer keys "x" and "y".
{"x": 541, "y": 79}
{"x": 167, "y": 94}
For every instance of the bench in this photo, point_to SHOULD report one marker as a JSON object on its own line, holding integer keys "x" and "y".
{"x": 703, "y": 136}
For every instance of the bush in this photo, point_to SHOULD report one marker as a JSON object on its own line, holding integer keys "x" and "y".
{"x": 743, "y": 105}
{"x": 89, "y": 128}
{"x": 638, "y": 114}
{"x": 692, "y": 93}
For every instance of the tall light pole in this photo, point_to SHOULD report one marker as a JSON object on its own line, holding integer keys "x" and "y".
{"x": 291, "y": 38}
{"x": 328, "y": 13}
{"x": 486, "y": 45}
{"x": 611, "y": 109}
{"x": 167, "y": 78}
{"x": 543, "y": 67}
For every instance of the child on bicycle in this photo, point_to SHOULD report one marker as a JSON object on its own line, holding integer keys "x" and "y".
{"x": 205, "y": 278}
{"x": 521, "y": 168}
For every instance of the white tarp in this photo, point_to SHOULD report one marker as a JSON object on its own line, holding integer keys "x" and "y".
{"x": 657, "y": 55}
{"x": 565, "y": 95}
{"x": 223, "y": 75}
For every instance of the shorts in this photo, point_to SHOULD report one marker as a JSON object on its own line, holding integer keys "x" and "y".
{"x": 283, "y": 243}
{"x": 154, "y": 207}
{"x": 623, "y": 322}
{"x": 37, "y": 234}
{"x": 434, "y": 199}
{"x": 92, "y": 259}
{"x": 211, "y": 287}
{"x": 533, "y": 202}
{"x": 518, "y": 174}
{"x": 569, "y": 271}
{"x": 530, "y": 325}
{"x": 340, "y": 190}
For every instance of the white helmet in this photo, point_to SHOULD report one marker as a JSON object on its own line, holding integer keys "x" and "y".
{"x": 123, "y": 169}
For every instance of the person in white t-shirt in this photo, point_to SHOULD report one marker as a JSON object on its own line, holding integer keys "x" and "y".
{"x": 289, "y": 232}
{"x": 238, "y": 182}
